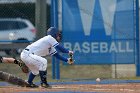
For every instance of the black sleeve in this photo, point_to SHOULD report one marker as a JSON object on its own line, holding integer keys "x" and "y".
{"x": 1, "y": 59}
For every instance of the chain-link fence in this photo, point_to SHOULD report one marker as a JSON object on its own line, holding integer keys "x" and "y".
{"x": 19, "y": 13}
{"x": 90, "y": 28}
{"x": 18, "y": 21}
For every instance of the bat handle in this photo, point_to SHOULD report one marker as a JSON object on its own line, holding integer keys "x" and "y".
{"x": 71, "y": 56}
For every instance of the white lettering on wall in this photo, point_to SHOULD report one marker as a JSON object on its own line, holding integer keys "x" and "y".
{"x": 100, "y": 47}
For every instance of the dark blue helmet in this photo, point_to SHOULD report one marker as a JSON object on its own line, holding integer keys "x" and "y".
{"x": 53, "y": 32}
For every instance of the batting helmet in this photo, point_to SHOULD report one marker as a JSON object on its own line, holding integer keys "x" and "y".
{"x": 53, "y": 32}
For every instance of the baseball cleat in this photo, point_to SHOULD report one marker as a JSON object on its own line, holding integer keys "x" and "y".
{"x": 45, "y": 85}
{"x": 32, "y": 85}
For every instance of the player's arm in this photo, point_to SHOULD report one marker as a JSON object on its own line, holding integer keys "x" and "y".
{"x": 63, "y": 50}
{"x": 9, "y": 60}
{"x": 58, "y": 56}
{"x": 57, "y": 46}
{"x": 70, "y": 61}
{"x": 6, "y": 60}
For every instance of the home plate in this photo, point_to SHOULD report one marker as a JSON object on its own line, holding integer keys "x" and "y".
{"x": 58, "y": 87}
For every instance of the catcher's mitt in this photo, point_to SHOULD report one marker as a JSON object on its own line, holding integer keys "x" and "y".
{"x": 23, "y": 66}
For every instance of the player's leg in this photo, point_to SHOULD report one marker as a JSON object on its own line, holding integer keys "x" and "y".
{"x": 30, "y": 81}
{"x": 41, "y": 64}
{"x": 37, "y": 65}
{"x": 28, "y": 59}
{"x": 43, "y": 77}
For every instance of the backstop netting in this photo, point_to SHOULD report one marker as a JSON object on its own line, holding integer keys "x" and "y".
{"x": 103, "y": 34}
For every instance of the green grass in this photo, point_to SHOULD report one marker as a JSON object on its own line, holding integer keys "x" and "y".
{"x": 85, "y": 71}
{"x": 66, "y": 71}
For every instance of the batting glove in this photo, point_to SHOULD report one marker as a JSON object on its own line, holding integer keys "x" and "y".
{"x": 71, "y": 53}
{"x": 70, "y": 61}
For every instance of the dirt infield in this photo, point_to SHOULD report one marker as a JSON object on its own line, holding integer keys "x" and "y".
{"x": 102, "y": 88}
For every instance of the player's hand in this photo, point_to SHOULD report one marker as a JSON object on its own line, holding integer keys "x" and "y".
{"x": 71, "y": 53}
{"x": 70, "y": 61}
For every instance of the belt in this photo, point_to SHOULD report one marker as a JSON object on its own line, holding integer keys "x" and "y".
{"x": 27, "y": 50}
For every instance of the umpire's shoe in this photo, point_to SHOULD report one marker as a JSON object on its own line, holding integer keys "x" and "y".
{"x": 45, "y": 85}
{"x": 31, "y": 85}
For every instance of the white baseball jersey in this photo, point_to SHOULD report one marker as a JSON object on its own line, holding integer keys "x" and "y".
{"x": 44, "y": 46}
{"x": 33, "y": 56}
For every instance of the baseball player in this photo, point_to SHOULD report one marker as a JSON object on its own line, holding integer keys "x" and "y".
{"x": 33, "y": 54}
